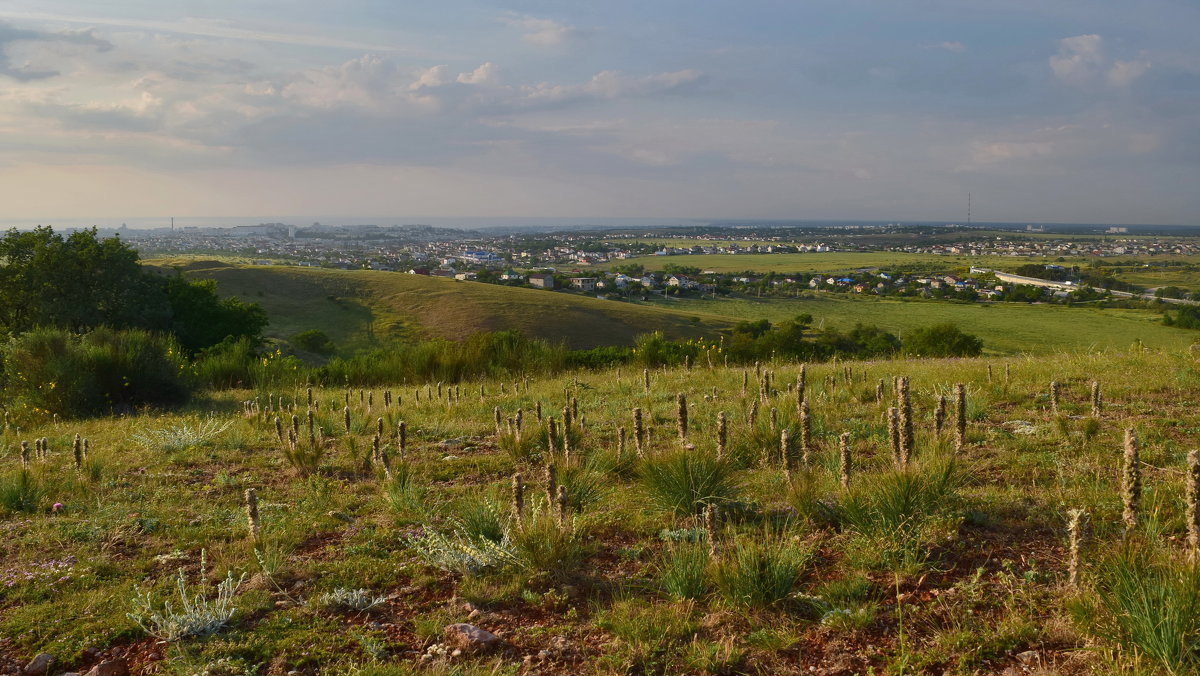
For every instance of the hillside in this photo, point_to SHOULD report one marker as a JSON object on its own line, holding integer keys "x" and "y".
{"x": 825, "y": 551}
{"x": 360, "y": 308}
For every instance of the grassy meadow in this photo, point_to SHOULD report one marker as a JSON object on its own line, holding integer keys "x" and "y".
{"x": 364, "y": 308}
{"x": 685, "y": 549}
{"x": 1006, "y": 328}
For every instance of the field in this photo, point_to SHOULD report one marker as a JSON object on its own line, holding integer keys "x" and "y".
{"x": 1006, "y": 328}
{"x": 365, "y": 308}
{"x": 823, "y": 560}
{"x": 839, "y": 261}
{"x": 362, "y": 309}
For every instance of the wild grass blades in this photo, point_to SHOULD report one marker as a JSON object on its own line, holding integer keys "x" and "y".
{"x": 684, "y": 482}
{"x": 304, "y": 457}
{"x": 1146, "y": 598}
{"x": 183, "y": 436}
{"x": 899, "y": 514}
{"x": 939, "y": 416}
{"x": 760, "y": 570}
{"x": 1131, "y": 482}
{"x": 1075, "y": 534}
{"x": 1192, "y": 497}
{"x": 683, "y": 570}
{"x": 21, "y": 491}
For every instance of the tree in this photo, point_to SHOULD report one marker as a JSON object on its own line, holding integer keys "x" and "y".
{"x": 942, "y": 340}
{"x": 78, "y": 282}
{"x": 81, "y": 282}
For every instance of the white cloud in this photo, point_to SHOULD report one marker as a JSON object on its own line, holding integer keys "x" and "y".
{"x": 1123, "y": 73}
{"x": 1079, "y": 59}
{"x": 611, "y": 84}
{"x": 542, "y": 32}
{"x": 1081, "y": 62}
{"x": 949, "y": 45}
{"x": 486, "y": 74}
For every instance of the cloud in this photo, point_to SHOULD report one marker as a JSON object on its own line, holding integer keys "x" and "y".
{"x": 486, "y": 74}
{"x": 1081, "y": 62}
{"x": 949, "y": 46}
{"x": 542, "y": 32}
{"x": 611, "y": 84}
{"x": 10, "y": 36}
{"x": 1123, "y": 73}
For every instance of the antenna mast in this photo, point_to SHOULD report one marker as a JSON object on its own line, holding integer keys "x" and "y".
{"x": 968, "y": 210}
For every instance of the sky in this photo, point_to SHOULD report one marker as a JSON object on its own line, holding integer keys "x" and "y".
{"x": 303, "y": 110}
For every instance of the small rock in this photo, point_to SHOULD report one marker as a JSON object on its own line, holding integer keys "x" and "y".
{"x": 38, "y": 665}
{"x": 468, "y": 606}
{"x": 457, "y": 653}
{"x": 474, "y": 614}
{"x": 470, "y": 639}
{"x": 1028, "y": 657}
{"x": 110, "y": 668}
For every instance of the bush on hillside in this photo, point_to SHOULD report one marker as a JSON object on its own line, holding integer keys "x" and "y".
{"x": 52, "y": 371}
{"x": 942, "y": 340}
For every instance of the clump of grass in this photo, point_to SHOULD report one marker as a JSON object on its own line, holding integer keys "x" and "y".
{"x": 20, "y": 491}
{"x": 685, "y": 481}
{"x": 899, "y": 513}
{"x": 544, "y": 544}
{"x": 759, "y": 571}
{"x": 1145, "y": 597}
{"x": 684, "y": 570}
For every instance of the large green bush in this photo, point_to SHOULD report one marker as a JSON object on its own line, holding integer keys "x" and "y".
{"x": 52, "y": 371}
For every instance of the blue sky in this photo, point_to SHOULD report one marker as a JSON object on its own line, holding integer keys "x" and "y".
{"x": 398, "y": 111}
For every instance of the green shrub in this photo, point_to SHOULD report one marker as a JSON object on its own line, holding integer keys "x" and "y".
{"x": 314, "y": 341}
{"x": 685, "y": 481}
{"x": 50, "y": 371}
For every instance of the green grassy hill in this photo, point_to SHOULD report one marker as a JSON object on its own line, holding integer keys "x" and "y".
{"x": 362, "y": 308}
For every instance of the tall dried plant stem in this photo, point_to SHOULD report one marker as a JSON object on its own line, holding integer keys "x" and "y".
{"x": 785, "y": 452}
{"x": 805, "y": 435}
{"x": 518, "y": 497}
{"x": 1131, "y": 482}
{"x": 710, "y": 528}
{"x": 960, "y": 415}
{"x": 1097, "y": 402}
{"x": 722, "y": 434}
{"x": 1075, "y": 535}
{"x": 639, "y": 432}
{"x": 845, "y": 460}
{"x": 252, "y": 522}
{"x": 906, "y": 422}
{"x": 681, "y": 416}
{"x": 893, "y": 422}
{"x": 1054, "y": 394}
{"x": 551, "y": 483}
